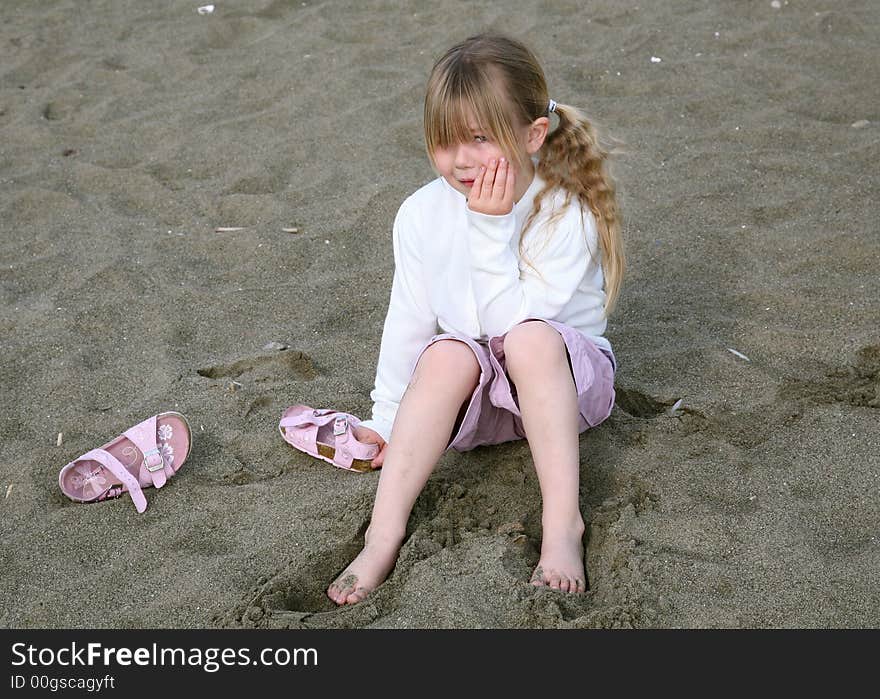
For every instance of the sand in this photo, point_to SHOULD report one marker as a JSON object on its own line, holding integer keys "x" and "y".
{"x": 130, "y": 131}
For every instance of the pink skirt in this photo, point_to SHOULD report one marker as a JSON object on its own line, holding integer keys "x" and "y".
{"x": 492, "y": 416}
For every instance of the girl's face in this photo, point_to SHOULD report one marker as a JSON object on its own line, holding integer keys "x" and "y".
{"x": 459, "y": 163}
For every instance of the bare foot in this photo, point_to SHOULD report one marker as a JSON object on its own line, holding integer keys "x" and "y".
{"x": 366, "y": 572}
{"x": 562, "y": 563}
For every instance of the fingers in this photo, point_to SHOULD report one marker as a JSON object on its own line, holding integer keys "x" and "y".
{"x": 505, "y": 180}
{"x": 500, "y": 178}
{"x": 368, "y": 436}
{"x": 510, "y": 185}
{"x": 489, "y": 181}
{"x": 477, "y": 186}
{"x": 380, "y": 457}
{"x": 493, "y": 187}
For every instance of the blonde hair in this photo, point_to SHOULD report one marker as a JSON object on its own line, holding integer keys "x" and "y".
{"x": 499, "y": 82}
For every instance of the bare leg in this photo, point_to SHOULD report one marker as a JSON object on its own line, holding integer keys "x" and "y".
{"x": 443, "y": 379}
{"x": 537, "y": 362}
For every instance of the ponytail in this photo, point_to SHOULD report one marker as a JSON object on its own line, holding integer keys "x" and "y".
{"x": 573, "y": 160}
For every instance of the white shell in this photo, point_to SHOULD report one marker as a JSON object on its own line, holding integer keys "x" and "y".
{"x": 738, "y": 354}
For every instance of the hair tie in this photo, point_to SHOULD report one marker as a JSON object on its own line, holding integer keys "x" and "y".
{"x": 552, "y": 107}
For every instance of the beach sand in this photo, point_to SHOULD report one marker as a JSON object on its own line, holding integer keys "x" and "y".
{"x": 748, "y": 181}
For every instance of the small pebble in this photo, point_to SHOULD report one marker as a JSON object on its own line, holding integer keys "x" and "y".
{"x": 860, "y": 124}
{"x": 275, "y": 346}
{"x": 291, "y": 230}
{"x": 776, "y": 4}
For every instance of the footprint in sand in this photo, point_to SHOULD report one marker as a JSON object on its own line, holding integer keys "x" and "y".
{"x": 296, "y": 596}
{"x": 857, "y": 385}
{"x": 640, "y": 404}
{"x": 231, "y": 468}
{"x": 277, "y": 366}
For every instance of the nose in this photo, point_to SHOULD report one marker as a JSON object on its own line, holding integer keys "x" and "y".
{"x": 463, "y": 157}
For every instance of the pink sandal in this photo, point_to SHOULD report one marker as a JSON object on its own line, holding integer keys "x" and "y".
{"x": 146, "y": 455}
{"x": 327, "y": 435}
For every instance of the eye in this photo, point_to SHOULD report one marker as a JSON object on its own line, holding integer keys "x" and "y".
{"x": 481, "y": 139}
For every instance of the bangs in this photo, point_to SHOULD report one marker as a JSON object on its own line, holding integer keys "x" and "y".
{"x": 462, "y": 97}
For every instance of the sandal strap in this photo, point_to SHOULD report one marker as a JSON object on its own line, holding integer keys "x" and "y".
{"x": 115, "y": 467}
{"x": 347, "y": 447}
{"x": 153, "y": 469}
{"x": 307, "y": 421}
{"x": 310, "y": 417}
{"x": 305, "y": 437}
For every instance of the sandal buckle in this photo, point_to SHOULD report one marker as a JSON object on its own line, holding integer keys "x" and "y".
{"x": 340, "y": 424}
{"x": 157, "y": 467}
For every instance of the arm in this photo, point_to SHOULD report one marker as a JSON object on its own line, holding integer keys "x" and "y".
{"x": 561, "y": 259}
{"x": 409, "y": 324}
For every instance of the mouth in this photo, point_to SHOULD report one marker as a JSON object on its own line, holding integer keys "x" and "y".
{"x": 467, "y": 183}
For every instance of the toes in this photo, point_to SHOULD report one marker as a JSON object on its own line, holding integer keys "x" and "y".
{"x": 356, "y": 596}
{"x": 557, "y": 581}
{"x": 537, "y": 578}
{"x": 343, "y": 598}
{"x": 342, "y": 588}
{"x": 353, "y": 596}
{"x": 345, "y": 590}
{"x": 334, "y": 593}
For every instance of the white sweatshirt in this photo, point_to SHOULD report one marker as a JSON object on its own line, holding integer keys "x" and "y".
{"x": 460, "y": 271}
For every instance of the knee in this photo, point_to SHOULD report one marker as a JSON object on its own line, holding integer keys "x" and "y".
{"x": 450, "y": 361}
{"x": 532, "y": 344}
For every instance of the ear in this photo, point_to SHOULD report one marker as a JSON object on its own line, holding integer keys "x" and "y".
{"x": 536, "y": 134}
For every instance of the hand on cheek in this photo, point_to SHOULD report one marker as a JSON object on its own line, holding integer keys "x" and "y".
{"x": 492, "y": 191}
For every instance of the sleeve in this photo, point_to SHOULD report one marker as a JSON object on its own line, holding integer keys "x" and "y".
{"x": 561, "y": 257}
{"x": 409, "y": 324}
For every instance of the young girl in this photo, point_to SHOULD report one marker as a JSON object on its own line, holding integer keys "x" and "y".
{"x": 514, "y": 252}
